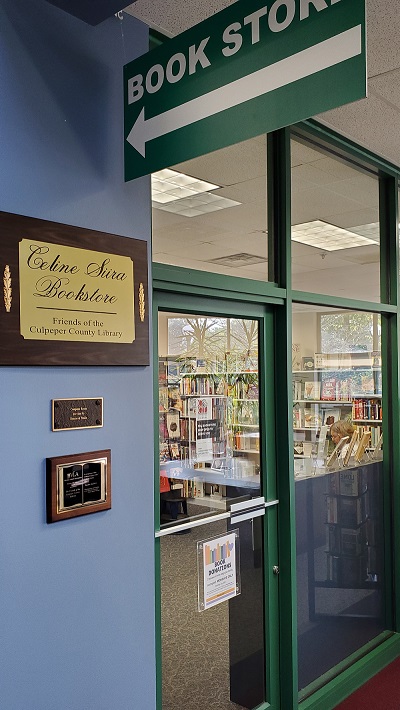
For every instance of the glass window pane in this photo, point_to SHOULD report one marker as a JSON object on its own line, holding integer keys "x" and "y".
{"x": 213, "y": 658}
{"x": 337, "y": 422}
{"x": 335, "y": 226}
{"x": 208, "y": 414}
{"x": 210, "y": 213}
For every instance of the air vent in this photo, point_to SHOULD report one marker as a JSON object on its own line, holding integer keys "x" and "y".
{"x": 241, "y": 259}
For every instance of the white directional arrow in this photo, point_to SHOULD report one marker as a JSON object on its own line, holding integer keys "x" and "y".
{"x": 298, "y": 66}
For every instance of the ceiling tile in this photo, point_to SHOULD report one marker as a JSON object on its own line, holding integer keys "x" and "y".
{"x": 174, "y": 16}
{"x": 387, "y": 87}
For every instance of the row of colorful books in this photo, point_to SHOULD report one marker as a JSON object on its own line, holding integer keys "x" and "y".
{"x": 367, "y": 409}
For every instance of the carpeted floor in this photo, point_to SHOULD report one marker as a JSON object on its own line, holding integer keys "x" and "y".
{"x": 382, "y": 692}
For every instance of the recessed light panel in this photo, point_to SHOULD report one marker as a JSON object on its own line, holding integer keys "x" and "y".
{"x": 326, "y": 236}
{"x": 185, "y": 195}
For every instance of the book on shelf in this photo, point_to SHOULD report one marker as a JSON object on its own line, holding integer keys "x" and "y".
{"x": 367, "y": 408}
{"x": 344, "y": 390}
{"x": 164, "y": 452}
{"x": 175, "y": 451}
{"x": 333, "y": 539}
{"x": 201, "y": 365}
{"x": 162, "y": 372}
{"x": 350, "y": 541}
{"x": 163, "y": 402}
{"x": 343, "y": 541}
{"x": 333, "y": 483}
{"x": 307, "y": 448}
{"x": 173, "y": 425}
{"x": 331, "y": 416}
{"x": 296, "y": 356}
{"x": 312, "y": 390}
{"x": 351, "y": 511}
{"x": 252, "y": 391}
{"x": 331, "y": 509}
{"x": 297, "y": 390}
{"x": 332, "y": 571}
{"x": 367, "y": 384}
{"x": 198, "y": 488}
{"x": 346, "y": 511}
{"x": 363, "y": 444}
{"x": 351, "y": 482}
{"x": 322, "y": 444}
{"x": 297, "y": 417}
{"x": 216, "y": 491}
{"x": 299, "y": 448}
{"x": 328, "y": 389}
{"x": 307, "y": 363}
{"x": 350, "y": 449}
{"x": 375, "y": 431}
{"x": 173, "y": 371}
{"x": 312, "y": 417}
{"x": 318, "y": 361}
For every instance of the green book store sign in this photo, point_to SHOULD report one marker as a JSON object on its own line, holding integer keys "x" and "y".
{"x": 250, "y": 69}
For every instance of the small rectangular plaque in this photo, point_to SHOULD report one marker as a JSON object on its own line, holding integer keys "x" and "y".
{"x": 78, "y": 484}
{"x": 77, "y": 413}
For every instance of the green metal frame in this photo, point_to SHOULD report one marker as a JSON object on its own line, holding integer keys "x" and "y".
{"x": 232, "y": 307}
{"x": 213, "y": 293}
{"x": 279, "y": 224}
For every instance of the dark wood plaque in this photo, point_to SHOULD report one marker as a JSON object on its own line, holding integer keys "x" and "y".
{"x": 77, "y": 413}
{"x": 78, "y": 484}
{"x": 71, "y": 296}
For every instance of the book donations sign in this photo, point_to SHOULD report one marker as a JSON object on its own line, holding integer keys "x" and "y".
{"x": 218, "y": 567}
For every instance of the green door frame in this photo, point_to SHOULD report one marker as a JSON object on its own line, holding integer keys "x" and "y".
{"x": 264, "y": 314}
{"x": 171, "y": 282}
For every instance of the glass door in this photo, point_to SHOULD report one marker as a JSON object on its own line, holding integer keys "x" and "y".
{"x": 217, "y": 511}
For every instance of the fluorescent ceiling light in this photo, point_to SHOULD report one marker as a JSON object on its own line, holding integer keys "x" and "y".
{"x": 326, "y": 236}
{"x": 185, "y": 195}
{"x": 177, "y": 185}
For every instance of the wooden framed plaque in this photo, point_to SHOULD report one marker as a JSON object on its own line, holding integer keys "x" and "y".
{"x": 78, "y": 484}
{"x": 71, "y": 296}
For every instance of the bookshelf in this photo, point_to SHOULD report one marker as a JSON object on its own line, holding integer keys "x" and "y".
{"x": 351, "y": 528}
{"x": 342, "y": 538}
{"x": 344, "y": 386}
{"x": 208, "y": 423}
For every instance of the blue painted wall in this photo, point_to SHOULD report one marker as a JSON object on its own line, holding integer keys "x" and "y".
{"x": 76, "y": 597}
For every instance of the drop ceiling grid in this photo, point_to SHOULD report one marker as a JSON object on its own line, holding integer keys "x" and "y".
{"x": 373, "y": 122}
{"x": 387, "y": 87}
{"x": 230, "y": 166}
{"x": 318, "y": 203}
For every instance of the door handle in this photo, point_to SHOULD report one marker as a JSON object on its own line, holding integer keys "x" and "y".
{"x": 249, "y": 509}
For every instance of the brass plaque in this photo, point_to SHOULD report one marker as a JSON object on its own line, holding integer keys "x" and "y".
{"x": 71, "y": 296}
{"x": 75, "y": 294}
{"x": 77, "y": 413}
{"x": 78, "y": 484}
